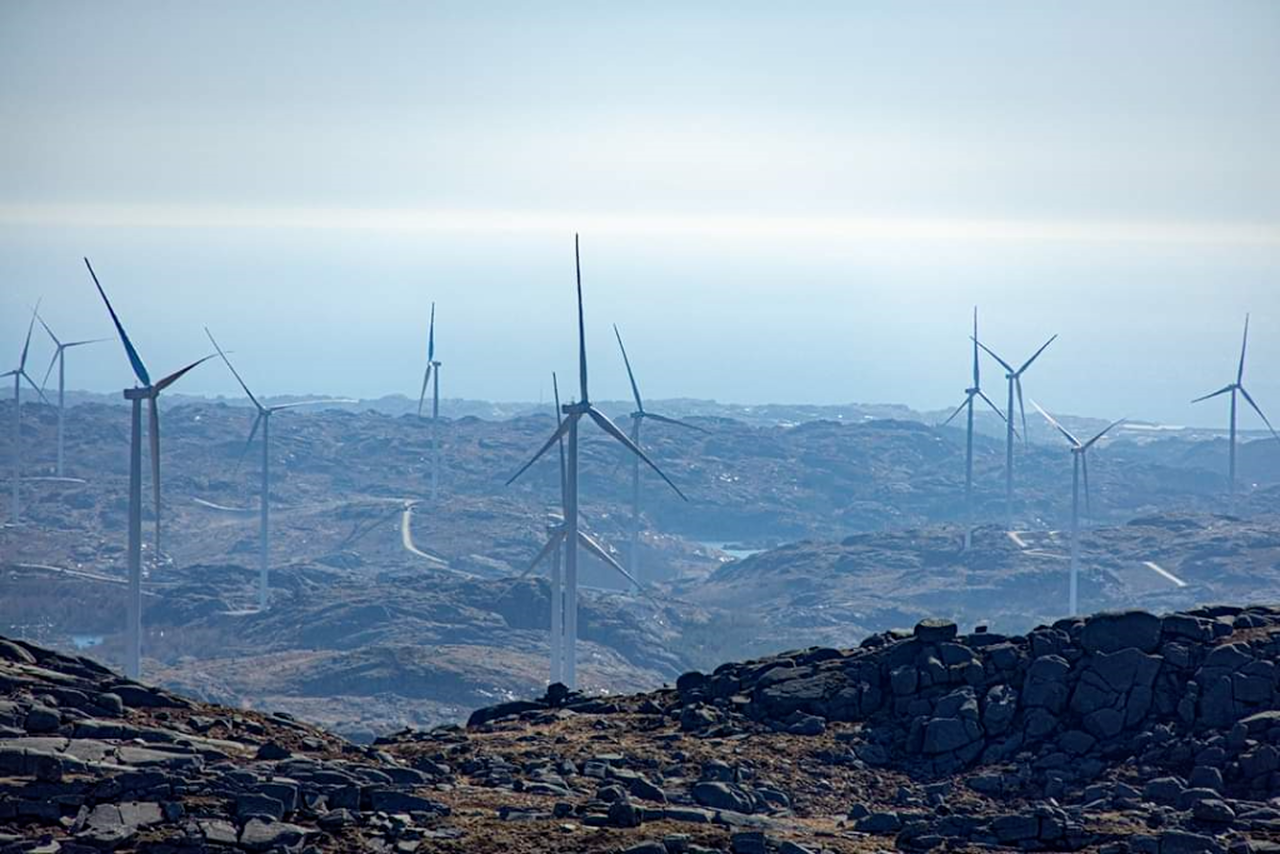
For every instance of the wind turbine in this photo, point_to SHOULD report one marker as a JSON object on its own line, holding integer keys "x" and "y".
{"x": 264, "y": 504}
{"x": 1079, "y": 463}
{"x": 149, "y": 392}
{"x": 432, "y": 373}
{"x": 556, "y": 529}
{"x": 569, "y": 428}
{"x": 1235, "y": 388}
{"x": 19, "y": 374}
{"x": 60, "y": 359}
{"x": 969, "y": 394}
{"x": 637, "y": 418}
{"x": 1014, "y": 376}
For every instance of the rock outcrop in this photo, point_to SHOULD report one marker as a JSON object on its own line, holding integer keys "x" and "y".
{"x": 1122, "y": 732}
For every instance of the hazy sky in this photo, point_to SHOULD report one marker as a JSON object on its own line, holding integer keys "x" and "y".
{"x": 778, "y": 201}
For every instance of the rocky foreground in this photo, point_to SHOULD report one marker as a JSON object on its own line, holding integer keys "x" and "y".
{"x": 1121, "y": 732}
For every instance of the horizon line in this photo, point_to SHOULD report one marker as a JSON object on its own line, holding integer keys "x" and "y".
{"x": 888, "y": 228}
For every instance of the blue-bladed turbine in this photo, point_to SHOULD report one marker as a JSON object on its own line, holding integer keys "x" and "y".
{"x": 432, "y": 375}
{"x": 974, "y": 391}
{"x": 1079, "y": 466}
{"x": 1234, "y": 389}
{"x": 19, "y": 374}
{"x": 148, "y": 391}
{"x": 568, "y": 429}
{"x": 263, "y": 420}
{"x": 637, "y": 419}
{"x": 60, "y": 361}
{"x": 1014, "y": 376}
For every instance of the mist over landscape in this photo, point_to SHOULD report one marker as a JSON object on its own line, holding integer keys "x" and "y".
{"x": 663, "y": 429}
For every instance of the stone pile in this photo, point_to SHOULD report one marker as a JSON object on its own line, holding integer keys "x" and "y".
{"x": 1172, "y": 723}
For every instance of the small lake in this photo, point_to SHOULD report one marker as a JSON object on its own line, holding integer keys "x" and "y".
{"x": 736, "y": 554}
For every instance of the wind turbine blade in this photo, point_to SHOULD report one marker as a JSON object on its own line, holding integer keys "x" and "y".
{"x": 155, "y": 465}
{"x": 139, "y": 369}
{"x": 1017, "y": 381}
{"x": 959, "y": 409}
{"x": 582, "y": 333}
{"x": 564, "y": 472}
{"x": 994, "y": 408}
{"x": 257, "y": 421}
{"x": 49, "y": 370}
{"x": 976, "y": 382}
{"x": 555, "y": 437}
{"x": 1244, "y": 345}
{"x": 1075, "y": 443}
{"x": 1114, "y": 424}
{"x": 82, "y": 343}
{"x": 232, "y": 367}
{"x": 993, "y": 355}
{"x": 542, "y": 555}
{"x": 635, "y": 390}
{"x": 56, "y": 342}
{"x": 556, "y": 539}
{"x": 1036, "y": 354}
{"x": 677, "y": 422}
{"x": 1084, "y": 470}
{"x": 1223, "y": 390}
{"x": 431, "y": 336}
{"x": 1258, "y": 410}
{"x": 22, "y": 363}
{"x": 177, "y": 375}
{"x": 26, "y": 376}
{"x": 591, "y": 545}
{"x": 426, "y": 378}
{"x": 317, "y": 402}
{"x": 612, "y": 429}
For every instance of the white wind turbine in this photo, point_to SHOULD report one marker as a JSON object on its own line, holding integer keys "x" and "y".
{"x": 1080, "y": 464}
{"x": 149, "y": 392}
{"x": 60, "y": 360}
{"x": 1235, "y": 388}
{"x": 263, "y": 420}
{"x": 432, "y": 374}
{"x": 969, "y": 394}
{"x": 637, "y": 419}
{"x": 19, "y": 374}
{"x": 556, "y": 529}
{"x": 569, "y": 428}
{"x": 1014, "y": 376}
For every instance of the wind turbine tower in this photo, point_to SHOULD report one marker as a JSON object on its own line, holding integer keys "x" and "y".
{"x": 637, "y": 419}
{"x": 969, "y": 394}
{"x": 1014, "y": 376}
{"x": 1237, "y": 388}
{"x": 1079, "y": 465}
{"x": 150, "y": 392}
{"x": 574, "y": 412}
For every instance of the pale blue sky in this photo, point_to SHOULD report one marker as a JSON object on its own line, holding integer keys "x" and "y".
{"x": 779, "y": 202}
